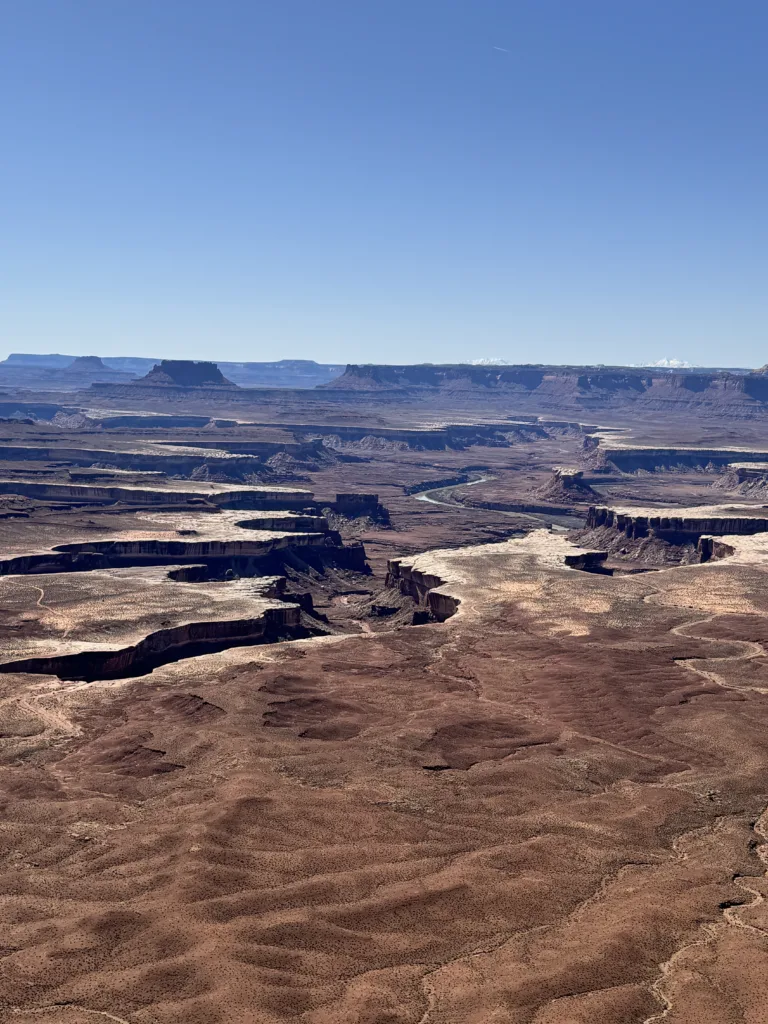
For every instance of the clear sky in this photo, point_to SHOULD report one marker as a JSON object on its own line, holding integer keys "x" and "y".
{"x": 385, "y": 180}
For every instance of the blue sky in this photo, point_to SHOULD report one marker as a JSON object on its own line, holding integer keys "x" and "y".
{"x": 385, "y": 181}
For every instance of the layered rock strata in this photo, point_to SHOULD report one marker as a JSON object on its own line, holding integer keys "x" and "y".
{"x": 212, "y": 538}
{"x": 742, "y": 394}
{"x": 151, "y": 456}
{"x": 710, "y": 519}
{"x": 454, "y": 436}
{"x": 405, "y": 576}
{"x": 104, "y": 624}
{"x": 175, "y": 492}
{"x": 629, "y": 459}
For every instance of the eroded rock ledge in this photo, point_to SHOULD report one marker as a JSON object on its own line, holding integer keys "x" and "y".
{"x": 433, "y": 604}
{"x": 167, "y": 645}
{"x": 215, "y": 539}
{"x": 160, "y": 493}
{"x": 151, "y": 456}
{"x": 114, "y": 623}
{"x": 673, "y": 524}
{"x": 629, "y": 459}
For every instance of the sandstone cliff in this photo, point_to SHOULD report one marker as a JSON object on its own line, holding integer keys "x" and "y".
{"x": 676, "y": 523}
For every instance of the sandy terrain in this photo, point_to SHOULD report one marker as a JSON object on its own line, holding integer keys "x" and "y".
{"x": 549, "y": 808}
{"x": 520, "y": 814}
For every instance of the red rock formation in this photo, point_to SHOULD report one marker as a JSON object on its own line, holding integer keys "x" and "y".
{"x": 687, "y": 522}
{"x": 566, "y": 485}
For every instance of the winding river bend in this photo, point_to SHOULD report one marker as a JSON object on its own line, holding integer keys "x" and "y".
{"x": 441, "y": 496}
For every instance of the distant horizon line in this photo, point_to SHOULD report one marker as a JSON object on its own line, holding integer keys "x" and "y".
{"x": 666, "y": 365}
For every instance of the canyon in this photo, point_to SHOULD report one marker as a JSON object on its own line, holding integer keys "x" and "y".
{"x": 420, "y": 695}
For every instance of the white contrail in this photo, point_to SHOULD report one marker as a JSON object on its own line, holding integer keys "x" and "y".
{"x": 501, "y": 48}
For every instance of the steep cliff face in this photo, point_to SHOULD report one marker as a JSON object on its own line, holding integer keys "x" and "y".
{"x": 573, "y": 388}
{"x": 151, "y": 551}
{"x": 244, "y": 497}
{"x": 373, "y": 377}
{"x": 689, "y": 523}
{"x": 456, "y": 436}
{"x": 629, "y": 460}
{"x": 422, "y": 588}
{"x": 185, "y": 373}
{"x": 165, "y": 645}
{"x": 149, "y": 457}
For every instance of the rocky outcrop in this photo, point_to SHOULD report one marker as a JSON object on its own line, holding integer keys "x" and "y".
{"x": 578, "y": 381}
{"x": 354, "y": 506}
{"x": 157, "y": 550}
{"x": 452, "y": 436}
{"x": 166, "y": 645}
{"x": 422, "y": 588}
{"x": 148, "y": 457}
{"x": 219, "y": 540}
{"x": 741, "y": 395}
{"x": 244, "y": 497}
{"x": 282, "y": 373}
{"x": 185, "y": 373}
{"x": 53, "y": 361}
{"x": 745, "y": 473}
{"x": 589, "y": 561}
{"x": 567, "y": 486}
{"x": 631, "y": 459}
{"x": 375, "y": 377}
{"x": 712, "y": 549}
{"x": 671, "y": 526}
{"x": 745, "y": 478}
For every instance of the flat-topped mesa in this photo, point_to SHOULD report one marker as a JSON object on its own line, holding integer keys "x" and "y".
{"x": 566, "y": 390}
{"x": 674, "y": 525}
{"x": 630, "y": 459}
{"x": 87, "y": 363}
{"x": 154, "y": 619}
{"x": 172, "y": 492}
{"x": 226, "y": 540}
{"x": 356, "y": 505}
{"x": 148, "y": 456}
{"x": 456, "y": 436}
{"x": 185, "y": 373}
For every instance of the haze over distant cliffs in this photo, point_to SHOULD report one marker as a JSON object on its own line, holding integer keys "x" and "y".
{"x": 570, "y": 389}
{"x": 57, "y": 372}
{"x": 186, "y": 374}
